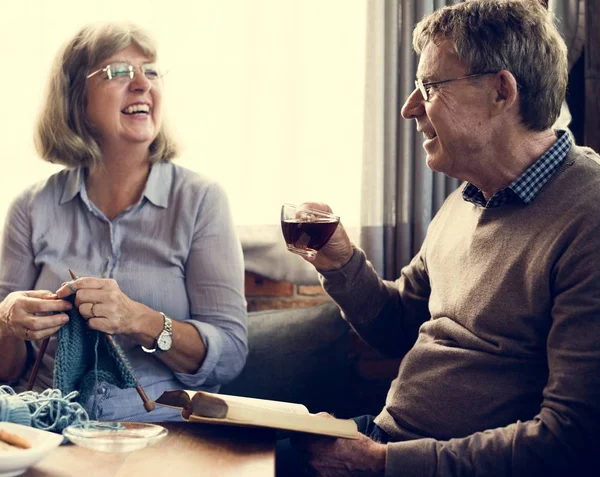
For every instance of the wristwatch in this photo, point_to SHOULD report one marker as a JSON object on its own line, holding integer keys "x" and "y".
{"x": 164, "y": 340}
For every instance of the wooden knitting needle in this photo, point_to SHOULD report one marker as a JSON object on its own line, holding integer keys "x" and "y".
{"x": 36, "y": 365}
{"x": 38, "y": 360}
{"x": 148, "y": 405}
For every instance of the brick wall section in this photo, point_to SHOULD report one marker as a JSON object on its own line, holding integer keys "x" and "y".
{"x": 265, "y": 294}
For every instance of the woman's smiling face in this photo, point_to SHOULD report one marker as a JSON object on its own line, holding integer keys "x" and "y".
{"x": 122, "y": 109}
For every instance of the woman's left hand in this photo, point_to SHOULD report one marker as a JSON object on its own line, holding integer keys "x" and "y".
{"x": 104, "y": 305}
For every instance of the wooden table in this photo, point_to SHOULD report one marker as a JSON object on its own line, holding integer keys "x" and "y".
{"x": 189, "y": 449}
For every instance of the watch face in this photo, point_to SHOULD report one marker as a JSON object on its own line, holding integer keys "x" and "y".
{"x": 164, "y": 341}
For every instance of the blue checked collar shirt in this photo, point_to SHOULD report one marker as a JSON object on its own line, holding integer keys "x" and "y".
{"x": 526, "y": 187}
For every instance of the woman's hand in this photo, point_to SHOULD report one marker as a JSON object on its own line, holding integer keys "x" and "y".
{"x": 104, "y": 305}
{"x": 33, "y": 314}
{"x": 337, "y": 251}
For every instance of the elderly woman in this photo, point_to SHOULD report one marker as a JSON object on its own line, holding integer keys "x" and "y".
{"x": 154, "y": 243}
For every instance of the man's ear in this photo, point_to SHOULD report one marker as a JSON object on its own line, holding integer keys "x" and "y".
{"x": 505, "y": 93}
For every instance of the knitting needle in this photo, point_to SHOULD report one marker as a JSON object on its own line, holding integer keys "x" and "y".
{"x": 148, "y": 405}
{"x": 38, "y": 361}
{"x": 36, "y": 365}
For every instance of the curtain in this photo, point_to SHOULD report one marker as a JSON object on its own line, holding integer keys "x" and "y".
{"x": 400, "y": 195}
{"x": 570, "y": 18}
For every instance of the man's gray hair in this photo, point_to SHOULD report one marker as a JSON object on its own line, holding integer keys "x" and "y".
{"x": 514, "y": 35}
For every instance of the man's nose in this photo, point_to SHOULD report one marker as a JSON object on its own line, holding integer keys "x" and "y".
{"x": 414, "y": 105}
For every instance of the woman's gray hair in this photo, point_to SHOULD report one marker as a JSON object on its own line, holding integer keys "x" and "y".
{"x": 64, "y": 135}
{"x": 514, "y": 35}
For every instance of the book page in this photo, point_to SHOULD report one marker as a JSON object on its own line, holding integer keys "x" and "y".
{"x": 189, "y": 393}
{"x": 308, "y": 423}
{"x": 182, "y": 397}
{"x": 281, "y": 406}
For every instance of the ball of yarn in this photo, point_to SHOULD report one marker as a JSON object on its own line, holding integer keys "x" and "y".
{"x": 14, "y": 409}
{"x": 48, "y": 410}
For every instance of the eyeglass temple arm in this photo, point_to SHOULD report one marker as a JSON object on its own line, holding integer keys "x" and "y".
{"x": 94, "y": 73}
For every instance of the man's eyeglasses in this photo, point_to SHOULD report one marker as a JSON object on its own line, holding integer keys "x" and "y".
{"x": 126, "y": 71}
{"x": 425, "y": 88}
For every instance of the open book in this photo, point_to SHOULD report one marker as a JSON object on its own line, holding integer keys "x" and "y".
{"x": 201, "y": 406}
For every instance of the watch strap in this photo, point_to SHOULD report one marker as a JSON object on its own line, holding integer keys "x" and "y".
{"x": 167, "y": 328}
{"x": 168, "y": 324}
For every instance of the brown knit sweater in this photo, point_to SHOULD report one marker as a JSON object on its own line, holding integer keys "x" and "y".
{"x": 498, "y": 317}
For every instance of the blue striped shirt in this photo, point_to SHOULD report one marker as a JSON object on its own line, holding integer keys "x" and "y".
{"x": 526, "y": 187}
{"x": 176, "y": 250}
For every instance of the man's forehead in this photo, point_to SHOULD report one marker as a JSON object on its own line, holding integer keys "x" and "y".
{"x": 436, "y": 58}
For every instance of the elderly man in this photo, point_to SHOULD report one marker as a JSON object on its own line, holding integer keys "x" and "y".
{"x": 498, "y": 315}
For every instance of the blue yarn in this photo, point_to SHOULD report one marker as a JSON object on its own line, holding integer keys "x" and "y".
{"x": 14, "y": 409}
{"x": 48, "y": 410}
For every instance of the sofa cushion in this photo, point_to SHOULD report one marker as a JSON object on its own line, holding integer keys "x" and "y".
{"x": 296, "y": 355}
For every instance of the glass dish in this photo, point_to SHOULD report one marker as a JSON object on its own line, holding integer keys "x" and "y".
{"x": 115, "y": 436}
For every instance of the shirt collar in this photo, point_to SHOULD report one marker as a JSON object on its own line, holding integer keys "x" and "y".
{"x": 156, "y": 190}
{"x": 73, "y": 184}
{"x": 158, "y": 184}
{"x": 527, "y": 186}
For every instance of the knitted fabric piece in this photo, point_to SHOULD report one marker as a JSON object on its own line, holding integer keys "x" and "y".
{"x": 84, "y": 358}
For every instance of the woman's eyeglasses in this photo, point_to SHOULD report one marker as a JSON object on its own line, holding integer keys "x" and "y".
{"x": 126, "y": 71}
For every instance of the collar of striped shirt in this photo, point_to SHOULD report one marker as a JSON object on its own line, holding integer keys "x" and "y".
{"x": 526, "y": 187}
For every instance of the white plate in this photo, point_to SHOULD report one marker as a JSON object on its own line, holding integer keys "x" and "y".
{"x": 115, "y": 436}
{"x": 17, "y": 461}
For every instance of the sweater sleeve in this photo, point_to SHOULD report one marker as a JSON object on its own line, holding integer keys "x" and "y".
{"x": 563, "y": 438}
{"x": 386, "y": 314}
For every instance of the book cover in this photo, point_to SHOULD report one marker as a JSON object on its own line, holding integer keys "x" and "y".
{"x": 211, "y": 408}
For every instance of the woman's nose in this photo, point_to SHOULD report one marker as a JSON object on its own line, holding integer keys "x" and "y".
{"x": 139, "y": 81}
{"x": 414, "y": 105}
